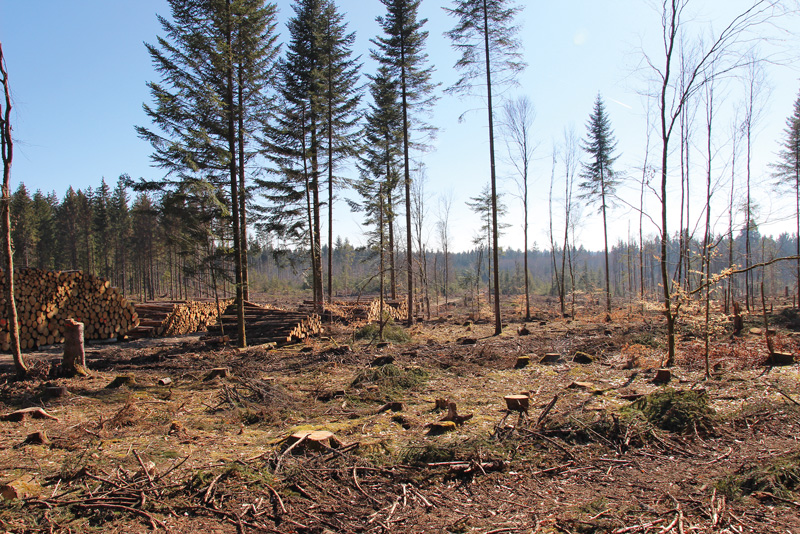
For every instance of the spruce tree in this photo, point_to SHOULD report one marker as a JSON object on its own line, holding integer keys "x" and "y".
{"x": 402, "y": 50}
{"x": 44, "y": 208}
{"x": 599, "y": 178}
{"x": 485, "y": 35}
{"x": 24, "y": 227}
{"x": 340, "y": 99}
{"x": 216, "y": 65}
{"x": 787, "y": 170}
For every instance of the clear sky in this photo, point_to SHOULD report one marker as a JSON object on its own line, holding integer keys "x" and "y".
{"x": 78, "y": 71}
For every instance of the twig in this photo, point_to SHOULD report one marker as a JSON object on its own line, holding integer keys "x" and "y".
{"x": 287, "y": 451}
{"x": 210, "y": 490}
{"x": 546, "y": 410}
{"x": 144, "y": 467}
{"x": 554, "y": 443}
{"x": 155, "y": 523}
{"x": 717, "y": 459}
{"x": 358, "y": 486}
{"x": 278, "y": 497}
{"x": 642, "y": 526}
{"x": 788, "y": 397}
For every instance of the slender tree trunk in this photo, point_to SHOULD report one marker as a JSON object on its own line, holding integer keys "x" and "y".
{"x": 7, "y": 145}
{"x": 407, "y": 175}
{"x": 390, "y": 224}
{"x": 231, "y": 134}
{"x": 605, "y": 241}
{"x": 498, "y": 327}
{"x": 242, "y": 191}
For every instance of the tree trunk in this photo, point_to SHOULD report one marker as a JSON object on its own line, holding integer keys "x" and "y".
{"x": 74, "y": 360}
{"x": 498, "y": 327}
{"x": 7, "y": 145}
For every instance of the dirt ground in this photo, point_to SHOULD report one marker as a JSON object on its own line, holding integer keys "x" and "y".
{"x": 602, "y": 449}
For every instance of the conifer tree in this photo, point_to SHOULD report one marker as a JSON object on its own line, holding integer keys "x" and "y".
{"x": 24, "y": 227}
{"x": 599, "y": 178}
{"x": 402, "y": 50}
{"x": 486, "y": 37}
{"x": 340, "y": 99}
{"x": 787, "y": 170}
{"x": 44, "y": 208}
{"x": 216, "y": 63}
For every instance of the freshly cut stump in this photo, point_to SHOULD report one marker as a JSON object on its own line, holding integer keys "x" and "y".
{"x": 522, "y": 362}
{"x": 517, "y": 403}
{"x": 33, "y": 413}
{"x": 781, "y": 358}
{"x": 313, "y": 440}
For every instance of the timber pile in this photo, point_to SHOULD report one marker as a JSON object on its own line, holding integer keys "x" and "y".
{"x": 46, "y": 299}
{"x": 349, "y": 311}
{"x": 269, "y": 325}
{"x": 175, "y": 318}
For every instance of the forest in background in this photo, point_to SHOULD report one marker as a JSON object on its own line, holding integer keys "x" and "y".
{"x": 150, "y": 252}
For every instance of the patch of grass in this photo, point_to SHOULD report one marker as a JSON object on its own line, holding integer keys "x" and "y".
{"x": 391, "y": 332}
{"x": 390, "y": 378}
{"x": 780, "y": 477}
{"x": 676, "y": 411}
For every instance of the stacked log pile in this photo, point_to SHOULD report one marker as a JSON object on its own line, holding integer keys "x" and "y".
{"x": 349, "y": 311}
{"x": 46, "y": 299}
{"x": 174, "y": 318}
{"x": 397, "y": 310}
{"x": 269, "y": 325}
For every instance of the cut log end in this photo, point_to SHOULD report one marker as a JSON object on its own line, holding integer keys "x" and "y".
{"x": 517, "y": 403}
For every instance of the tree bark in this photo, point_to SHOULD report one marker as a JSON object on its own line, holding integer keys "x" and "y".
{"x": 7, "y": 145}
{"x": 74, "y": 360}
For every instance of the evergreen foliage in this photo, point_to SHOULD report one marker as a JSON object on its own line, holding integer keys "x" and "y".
{"x": 599, "y": 178}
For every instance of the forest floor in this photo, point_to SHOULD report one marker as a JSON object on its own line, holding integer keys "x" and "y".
{"x": 197, "y": 455}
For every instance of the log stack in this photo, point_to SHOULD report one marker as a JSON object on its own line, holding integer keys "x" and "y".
{"x": 46, "y": 299}
{"x": 349, "y": 311}
{"x": 174, "y": 318}
{"x": 269, "y": 325}
{"x": 397, "y": 310}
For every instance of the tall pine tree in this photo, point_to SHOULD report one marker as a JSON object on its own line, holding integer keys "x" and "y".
{"x": 787, "y": 170}
{"x": 599, "y": 178}
{"x": 402, "y": 50}
{"x": 485, "y": 35}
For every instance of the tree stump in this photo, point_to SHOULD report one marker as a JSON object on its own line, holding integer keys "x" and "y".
{"x": 220, "y": 372}
{"x": 551, "y": 357}
{"x": 738, "y": 322}
{"x": 37, "y": 438}
{"x": 582, "y": 358}
{"x": 663, "y": 376}
{"x": 780, "y": 358}
{"x": 522, "y": 361}
{"x": 122, "y": 380}
{"x": 34, "y": 413}
{"x": 313, "y": 440}
{"x": 517, "y": 403}
{"x": 74, "y": 361}
{"x": 452, "y": 415}
{"x": 437, "y": 429}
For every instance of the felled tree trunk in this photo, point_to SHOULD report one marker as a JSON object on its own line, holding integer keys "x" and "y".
{"x": 74, "y": 361}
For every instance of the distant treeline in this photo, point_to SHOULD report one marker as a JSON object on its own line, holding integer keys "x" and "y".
{"x": 148, "y": 250}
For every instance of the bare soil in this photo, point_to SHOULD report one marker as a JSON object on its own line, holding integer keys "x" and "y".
{"x": 201, "y": 455}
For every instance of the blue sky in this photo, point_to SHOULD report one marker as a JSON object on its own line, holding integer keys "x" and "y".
{"x": 78, "y": 71}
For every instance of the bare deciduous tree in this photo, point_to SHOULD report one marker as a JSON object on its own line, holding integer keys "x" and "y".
{"x": 7, "y": 149}
{"x": 518, "y": 118}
